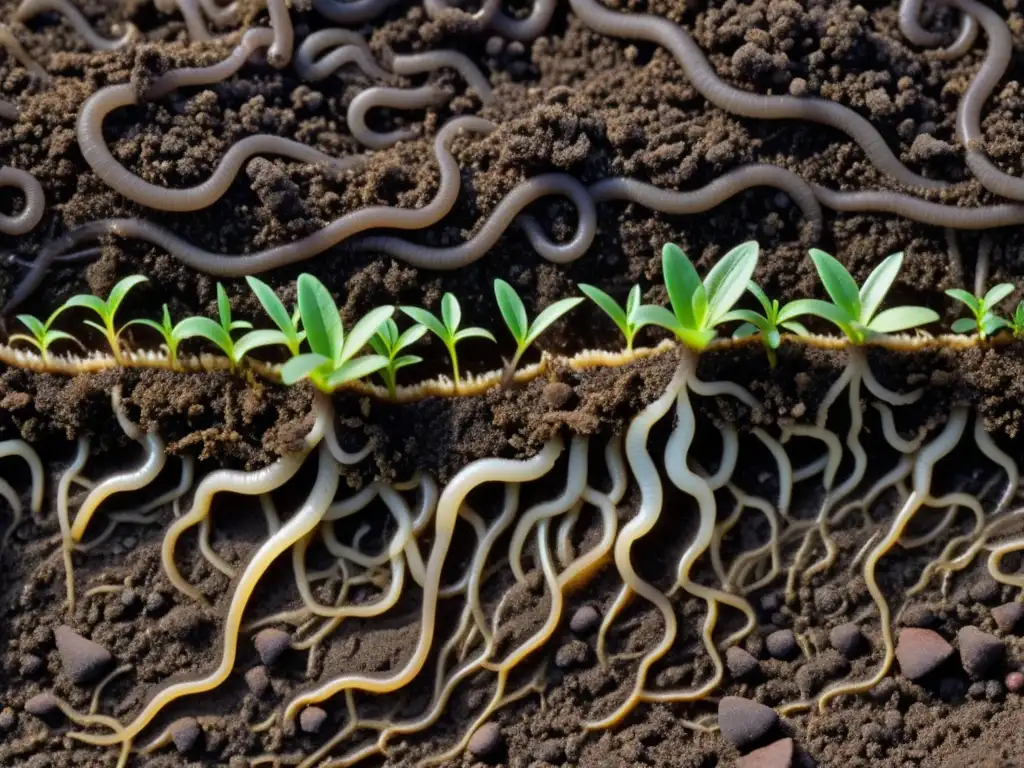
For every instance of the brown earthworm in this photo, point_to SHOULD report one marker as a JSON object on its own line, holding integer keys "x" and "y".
{"x": 353, "y": 50}
{"x": 396, "y": 98}
{"x": 910, "y": 26}
{"x": 35, "y": 201}
{"x": 280, "y": 52}
{"x": 454, "y": 257}
{"x": 31, "y": 8}
{"x": 103, "y": 163}
{"x": 710, "y": 195}
{"x": 527, "y": 29}
{"x": 239, "y": 265}
{"x": 414, "y": 63}
{"x": 253, "y": 40}
{"x": 19, "y": 54}
{"x": 733, "y": 100}
{"x": 968, "y": 117}
{"x": 351, "y": 11}
{"x": 922, "y": 211}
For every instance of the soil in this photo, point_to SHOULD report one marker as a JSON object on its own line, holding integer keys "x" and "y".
{"x": 571, "y": 101}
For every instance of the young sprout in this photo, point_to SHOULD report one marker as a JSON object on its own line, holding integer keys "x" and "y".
{"x": 332, "y": 360}
{"x": 288, "y": 333}
{"x": 43, "y": 335}
{"x": 107, "y": 310}
{"x": 853, "y": 311}
{"x": 985, "y": 321}
{"x": 446, "y": 328}
{"x": 625, "y": 319}
{"x": 171, "y": 334}
{"x": 1017, "y": 322}
{"x": 766, "y": 325}
{"x": 219, "y": 334}
{"x": 514, "y": 313}
{"x": 388, "y": 342}
{"x": 698, "y": 307}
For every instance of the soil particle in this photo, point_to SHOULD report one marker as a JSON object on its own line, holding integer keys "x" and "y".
{"x": 7, "y": 719}
{"x": 185, "y": 733}
{"x": 42, "y": 705}
{"x": 585, "y": 620}
{"x": 920, "y": 651}
{"x": 129, "y": 598}
{"x": 156, "y": 604}
{"x": 270, "y": 644}
{"x": 486, "y": 742}
{"x": 83, "y": 660}
{"x": 781, "y": 644}
{"x": 573, "y": 654}
{"x": 979, "y": 651}
{"x": 312, "y": 719}
{"x": 740, "y": 662}
{"x": 847, "y": 639}
{"x": 257, "y": 680}
{"x": 778, "y": 754}
{"x": 919, "y": 616}
{"x": 744, "y": 722}
{"x": 1008, "y": 616}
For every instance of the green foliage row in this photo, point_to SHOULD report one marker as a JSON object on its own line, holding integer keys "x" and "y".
{"x": 334, "y": 356}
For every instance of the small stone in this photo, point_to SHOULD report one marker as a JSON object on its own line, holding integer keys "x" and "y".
{"x": 7, "y": 720}
{"x": 781, "y": 644}
{"x": 798, "y": 87}
{"x": 740, "y": 662}
{"x": 828, "y": 599}
{"x": 919, "y": 616}
{"x": 994, "y": 690}
{"x": 129, "y": 597}
{"x": 312, "y": 719}
{"x": 258, "y": 681}
{"x": 185, "y": 734}
{"x": 558, "y": 394}
{"x": 984, "y": 590}
{"x": 31, "y": 665}
{"x": 585, "y": 620}
{"x": 573, "y": 654}
{"x": 129, "y": 542}
{"x": 1008, "y": 616}
{"x": 42, "y": 705}
{"x": 744, "y": 722}
{"x": 778, "y": 754}
{"x": 770, "y": 602}
{"x": 494, "y": 46}
{"x": 83, "y": 660}
{"x": 976, "y": 690}
{"x": 920, "y": 651}
{"x": 1014, "y": 681}
{"x": 847, "y": 639}
{"x": 979, "y": 651}
{"x": 156, "y": 604}
{"x": 486, "y": 742}
{"x": 271, "y": 643}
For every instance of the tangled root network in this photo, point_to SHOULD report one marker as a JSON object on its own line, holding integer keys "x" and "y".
{"x": 461, "y": 554}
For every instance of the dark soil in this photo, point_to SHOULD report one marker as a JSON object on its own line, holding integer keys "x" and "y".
{"x": 571, "y": 101}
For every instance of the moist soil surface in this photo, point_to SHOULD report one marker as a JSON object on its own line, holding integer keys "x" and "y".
{"x": 572, "y": 101}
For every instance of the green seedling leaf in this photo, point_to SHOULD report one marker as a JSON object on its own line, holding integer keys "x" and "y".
{"x": 902, "y": 319}
{"x": 120, "y": 291}
{"x": 320, "y": 317}
{"x": 972, "y": 302}
{"x": 547, "y": 317}
{"x": 205, "y": 328}
{"x": 965, "y": 325}
{"x": 429, "y": 321}
{"x": 95, "y": 303}
{"x": 287, "y": 324}
{"x": 451, "y": 312}
{"x": 608, "y": 305}
{"x": 825, "y": 311}
{"x": 262, "y": 338}
{"x": 303, "y": 366}
{"x": 474, "y": 333}
{"x": 838, "y": 283}
{"x": 362, "y": 332}
{"x": 881, "y": 279}
{"x": 512, "y": 310}
{"x": 683, "y": 284}
{"x": 997, "y": 294}
{"x": 353, "y": 370}
{"x": 727, "y": 281}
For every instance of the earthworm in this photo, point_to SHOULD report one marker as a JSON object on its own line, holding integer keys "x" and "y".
{"x": 414, "y": 63}
{"x": 527, "y": 29}
{"x": 9, "y": 110}
{"x": 454, "y": 257}
{"x": 395, "y": 98}
{"x": 35, "y": 201}
{"x": 194, "y": 21}
{"x": 726, "y": 97}
{"x": 239, "y": 265}
{"x": 968, "y": 117}
{"x": 964, "y": 40}
{"x": 353, "y": 50}
{"x": 253, "y": 40}
{"x": 710, "y": 195}
{"x": 280, "y": 51}
{"x": 103, "y": 163}
{"x": 910, "y": 26}
{"x": 921, "y": 211}
{"x": 220, "y": 15}
{"x": 31, "y": 8}
{"x": 86, "y": 254}
{"x": 19, "y": 54}
{"x": 351, "y": 11}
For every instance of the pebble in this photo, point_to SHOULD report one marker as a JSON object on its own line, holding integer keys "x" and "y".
{"x": 156, "y": 604}
{"x": 743, "y": 721}
{"x": 271, "y": 643}
{"x": 258, "y": 681}
{"x": 573, "y": 654}
{"x": 558, "y": 394}
{"x": 41, "y": 705}
{"x": 185, "y": 732}
{"x": 740, "y": 662}
{"x": 585, "y": 620}
{"x": 1014, "y": 681}
{"x": 312, "y": 719}
{"x": 770, "y": 602}
{"x": 83, "y": 660}
{"x": 847, "y": 639}
{"x": 919, "y": 616}
{"x": 1008, "y": 616}
{"x": 494, "y": 46}
{"x": 31, "y": 665}
{"x": 828, "y": 599}
{"x": 984, "y": 590}
{"x": 7, "y": 719}
{"x": 129, "y": 542}
{"x": 129, "y": 597}
{"x": 781, "y": 644}
{"x": 778, "y": 754}
{"x": 486, "y": 742}
{"x": 920, "y": 651}
{"x": 979, "y": 651}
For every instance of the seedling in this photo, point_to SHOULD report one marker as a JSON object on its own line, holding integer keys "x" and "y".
{"x": 1017, "y": 322}
{"x": 288, "y": 333}
{"x": 218, "y": 334}
{"x": 388, "y": 342}
{"x": 107, "y": 310}
{"x": 698, "y": 307}
{"x": 985, "y": 321}
{"x": 624, "y": 318}
{"x": 332, "y": 360}
{"x": 853, "y": 310}
{"x": 514, "y": 313}
{"x": 43, "y": 335}
{"x": 170, "y": 333}
{"x": 446, "y": 328}
{"x": 766, "y": 325}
